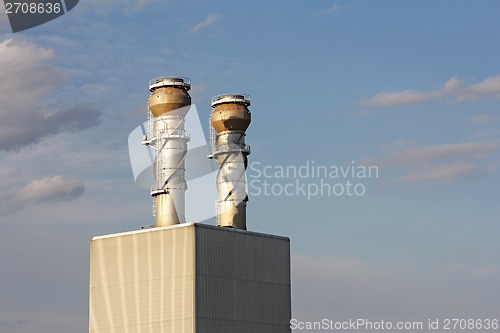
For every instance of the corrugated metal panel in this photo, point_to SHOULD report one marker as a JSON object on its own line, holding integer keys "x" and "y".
{"x": 143, "y": 282}
{"x": 242, "y": 281}
{"x": 190, "y": 278}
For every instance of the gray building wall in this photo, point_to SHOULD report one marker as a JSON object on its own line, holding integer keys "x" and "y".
{"x": 190, "y": 278}
{"x": 242, "y": 281}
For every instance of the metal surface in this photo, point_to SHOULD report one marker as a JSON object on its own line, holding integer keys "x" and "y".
{"x": 231, "y": 98}
{"x": 169, "y": 103}
{"x": 170, "y": 81}
{"x": 242, "y": 281}
{"x": 143, "y": 281}
{"x": 190, "y": 278}
{"x": 230, "y": 118}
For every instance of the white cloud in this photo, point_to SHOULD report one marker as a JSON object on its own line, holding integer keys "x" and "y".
{"x": 454, "y": 90}
{"x": 49, "y": 189}
{"x": 23, "y": 66}
{"x": 489, "y": 86}
{"x": 440, "y": 162}
{"x": 211, "y": 19}
{"x": 27, "y": 80}
{"x": 57, "y": 188}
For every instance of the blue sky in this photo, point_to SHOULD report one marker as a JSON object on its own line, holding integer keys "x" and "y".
{"x": 411, "y": 87}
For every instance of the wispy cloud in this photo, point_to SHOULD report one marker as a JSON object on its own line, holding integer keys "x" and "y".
{"x": 211, "y": 19}
{"x": 484, "y": 118}
{"x": 440, "y": 162}
{"x": 127, "y": 5}
{"x": 440, "y": 153}
{"x": 142, "y": 2}
{"x": 361, "y": 285}
{"x": 454, "y": 90}
{"x": 57, "y": 188}
{"x": 440, "y": 172}
{"x": 333, "y": 9}
{"x": 136, "y": 4}
{"x": 49, "y": 189}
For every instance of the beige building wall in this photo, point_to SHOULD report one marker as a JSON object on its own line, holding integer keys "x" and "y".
{"x": 189, "y": 278}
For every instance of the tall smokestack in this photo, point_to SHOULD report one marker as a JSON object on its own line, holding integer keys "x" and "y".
{"x": 169, "y": 103}
{"x": 230, "y": 118}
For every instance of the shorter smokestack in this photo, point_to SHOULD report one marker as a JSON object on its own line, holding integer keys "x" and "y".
{"x": 230, "y": 118}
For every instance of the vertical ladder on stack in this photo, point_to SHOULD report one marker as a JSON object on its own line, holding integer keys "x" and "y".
{"x": 150, "y": 123}
{"x": 160, "y": 182}
{"x": 149, "y": 133}
{"x": 154, "y": 206}
{"x": 217, "y": 213}
{"x": 211, "y": 136}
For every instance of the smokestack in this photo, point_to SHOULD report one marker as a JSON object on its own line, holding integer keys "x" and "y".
{"x": 230, "y": 118}
{"x": 169, "y": 103}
